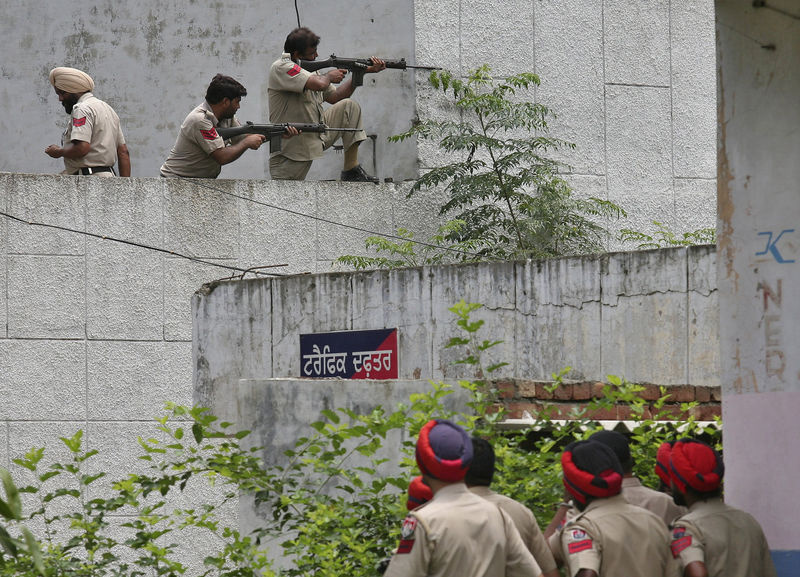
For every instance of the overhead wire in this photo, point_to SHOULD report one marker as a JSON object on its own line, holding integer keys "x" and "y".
{"x": 254, "y": 270}
{"x": 199, "y": 183}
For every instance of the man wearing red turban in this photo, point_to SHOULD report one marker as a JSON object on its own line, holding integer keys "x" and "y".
{"x": 457, "y": 533}
{"x": 609, "y": 537}
{"x": 712, "y": 539}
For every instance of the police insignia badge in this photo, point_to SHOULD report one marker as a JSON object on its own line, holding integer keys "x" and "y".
{"x": 578, "y": 541}
{"x": 409, "y": 525}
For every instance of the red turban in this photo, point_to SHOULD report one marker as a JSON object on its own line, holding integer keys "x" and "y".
{"x": 444, "y": 450}
{"x": 662, "y": 462}
{"x": 418, "y": 493}
{"x": 696, "y": 465}
{"x": 591, "y": 469}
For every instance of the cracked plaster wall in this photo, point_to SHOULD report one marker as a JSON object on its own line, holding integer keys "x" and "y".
{"x": 647, "y": 316}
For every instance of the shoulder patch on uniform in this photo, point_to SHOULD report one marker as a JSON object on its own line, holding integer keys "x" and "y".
{"x": 409, "y": 524}
{"x": 680, "y": 544}
{"x": 210, "y": 134}
{"x": 294, "y": 70}
{"x": 578, "y": 541}
{"x": 407, "y": 535}
{"x": 78, "y": 121}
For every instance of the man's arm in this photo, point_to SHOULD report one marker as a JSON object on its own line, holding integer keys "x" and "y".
{"x": 695, "y": 569}
{"x": 346, "y": 89}
{"x": 228, "y": 154}
{"x": 124, "y": 160}
{"x": 74, "y": 149}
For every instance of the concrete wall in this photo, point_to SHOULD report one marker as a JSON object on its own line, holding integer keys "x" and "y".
{"x": 648, "y": 316}
{"x": 632, "y": 81}
{"x": 96, "y": 334}
{"x": 759, "y": 83}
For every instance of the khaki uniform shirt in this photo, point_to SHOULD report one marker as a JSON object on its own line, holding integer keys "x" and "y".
{"x": 289, "y": 101}
{"x": 659, "y": 503}
{"x": 614, "y": 539}
{"x": 526, "y": 524}
{"x": 458, "y": 534}
{"x": 95, "y": 122}
{"x": 728, "y": 541}
{"x": 197, "y": 139}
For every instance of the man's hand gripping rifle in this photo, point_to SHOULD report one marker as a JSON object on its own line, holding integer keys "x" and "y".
{"x": 275, "y": 132}
{"x": 357, "y": 66}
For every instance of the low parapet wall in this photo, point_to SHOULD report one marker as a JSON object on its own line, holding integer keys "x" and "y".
{"x": 649, "y": 316}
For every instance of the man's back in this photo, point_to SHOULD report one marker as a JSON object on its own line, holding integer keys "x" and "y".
{"x": 526, "y": 524}
{"x": 659, "y": 503}
{"x": 728, "y": 541}
{"x": 459, "y": 534}
{"x": 615, "y": 538}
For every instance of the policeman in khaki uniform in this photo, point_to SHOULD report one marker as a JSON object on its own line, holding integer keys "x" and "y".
{"x": 712, "y": 539}
{"x": 609, "y": 537}
{"x": 457, "y": 533}
{"x": 93, "y": 141}
{"x": 199, "y": 151}
{"x": 296, "y": 95}
{"x": 632, "y": 489}
{"x": 479, "y": 477}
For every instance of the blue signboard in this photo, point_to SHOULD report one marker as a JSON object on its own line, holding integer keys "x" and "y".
{"x": 350, "y": 354}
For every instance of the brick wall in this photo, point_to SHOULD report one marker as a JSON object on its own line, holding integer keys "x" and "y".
{"x": 521, "y": 396}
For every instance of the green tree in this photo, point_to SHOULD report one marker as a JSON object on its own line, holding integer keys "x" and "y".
{"x": 509, "y": 195}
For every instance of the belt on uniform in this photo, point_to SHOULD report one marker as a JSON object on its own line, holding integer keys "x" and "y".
{"x": 93, "y": 169}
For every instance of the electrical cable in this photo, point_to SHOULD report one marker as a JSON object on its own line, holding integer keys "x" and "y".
{"x": 297, "y": 11}
{"x": 196, "y": 182}
{"x": 244, "y": 271}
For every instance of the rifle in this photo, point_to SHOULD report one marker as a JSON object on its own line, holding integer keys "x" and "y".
{"x": 357, "y": 66}
{"x": 274, "y": 132}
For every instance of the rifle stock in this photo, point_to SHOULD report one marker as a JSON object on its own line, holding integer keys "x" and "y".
{"x": 357, "y": 66}
{"x": 275, "y": 132}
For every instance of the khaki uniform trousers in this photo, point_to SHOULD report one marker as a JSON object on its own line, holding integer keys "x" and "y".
{"x": 344, "y": 114}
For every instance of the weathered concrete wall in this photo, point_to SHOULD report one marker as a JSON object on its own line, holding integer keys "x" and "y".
{"x": 96, "y": 334}
{"x": 632, "y": 81}
{"x": 759, "y": 83}
{"x": 648, "y": 316}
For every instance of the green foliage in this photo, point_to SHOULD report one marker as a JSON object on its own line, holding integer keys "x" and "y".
{"x": 332, "y": 506}
{"x": 501, "y": 185}
{"x": 439, "y": 249}
{"x": 664, "y": 237}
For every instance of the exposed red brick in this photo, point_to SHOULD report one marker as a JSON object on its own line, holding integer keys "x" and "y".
{"x": 681, "y": 393}
{"x": 564, "y": 392}
{"x": 506, "y": 389}
{"x": 604, "y": 414}
{"x": 706, "y": 412}
{"x": 541, "y": 391}
{"x": 672, "y": 412}
{"x": 582, "y": 391}
{"x": 516, "y": 409}
{"x": 702, "y": 394}
{"x": 651, "y": 392}
{"x": 597, "y": 390}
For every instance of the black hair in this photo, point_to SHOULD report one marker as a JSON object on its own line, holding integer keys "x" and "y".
{"x": 222, "y": 87}
{"x": 299, "y": 40}
{"x": 618, "y": 443}
{"x": 481, "y": 470}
